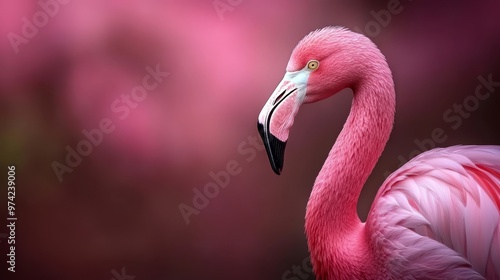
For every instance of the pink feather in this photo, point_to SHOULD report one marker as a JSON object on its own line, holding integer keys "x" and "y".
{"x": 443, "y": 197}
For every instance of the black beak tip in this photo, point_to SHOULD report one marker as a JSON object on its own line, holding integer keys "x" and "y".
{"x": 275, "y": 149}
{"x": 277, "y": 170}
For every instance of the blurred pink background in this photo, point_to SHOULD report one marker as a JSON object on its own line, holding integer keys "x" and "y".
{"x": 120, "y": 206}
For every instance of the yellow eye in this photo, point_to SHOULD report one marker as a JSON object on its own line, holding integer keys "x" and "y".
{"x": 313, "y": 64}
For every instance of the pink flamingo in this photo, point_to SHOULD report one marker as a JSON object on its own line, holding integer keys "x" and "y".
{"x": 437, "y": 217}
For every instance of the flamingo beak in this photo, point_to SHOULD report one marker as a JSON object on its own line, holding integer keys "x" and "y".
{"x": 278, "y": 114}
{"x": 275, "y": 148}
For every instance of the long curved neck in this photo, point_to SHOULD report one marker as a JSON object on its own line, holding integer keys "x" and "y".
{"x": 335, "y": 233}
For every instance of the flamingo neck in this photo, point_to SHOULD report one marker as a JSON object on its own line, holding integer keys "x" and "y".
{"x": 336, "y": 236}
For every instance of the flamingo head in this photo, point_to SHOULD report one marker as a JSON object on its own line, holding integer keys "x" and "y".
{"x": 321, "y": 65}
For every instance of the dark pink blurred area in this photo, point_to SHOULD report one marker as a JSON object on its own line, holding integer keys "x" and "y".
{"x": 119, "y": 207}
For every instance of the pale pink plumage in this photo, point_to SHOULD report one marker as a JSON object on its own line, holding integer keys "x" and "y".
{"x": 440, "y": 212}
{"x": 437, "y": 217}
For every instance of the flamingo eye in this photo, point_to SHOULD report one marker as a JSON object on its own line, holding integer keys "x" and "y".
{"x": 313, "y": 65}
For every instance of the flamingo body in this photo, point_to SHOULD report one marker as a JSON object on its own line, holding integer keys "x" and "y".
{"x": 437, "y": 217}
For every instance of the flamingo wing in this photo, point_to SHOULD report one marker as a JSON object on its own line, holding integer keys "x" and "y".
{"x": 438, "y": 216}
